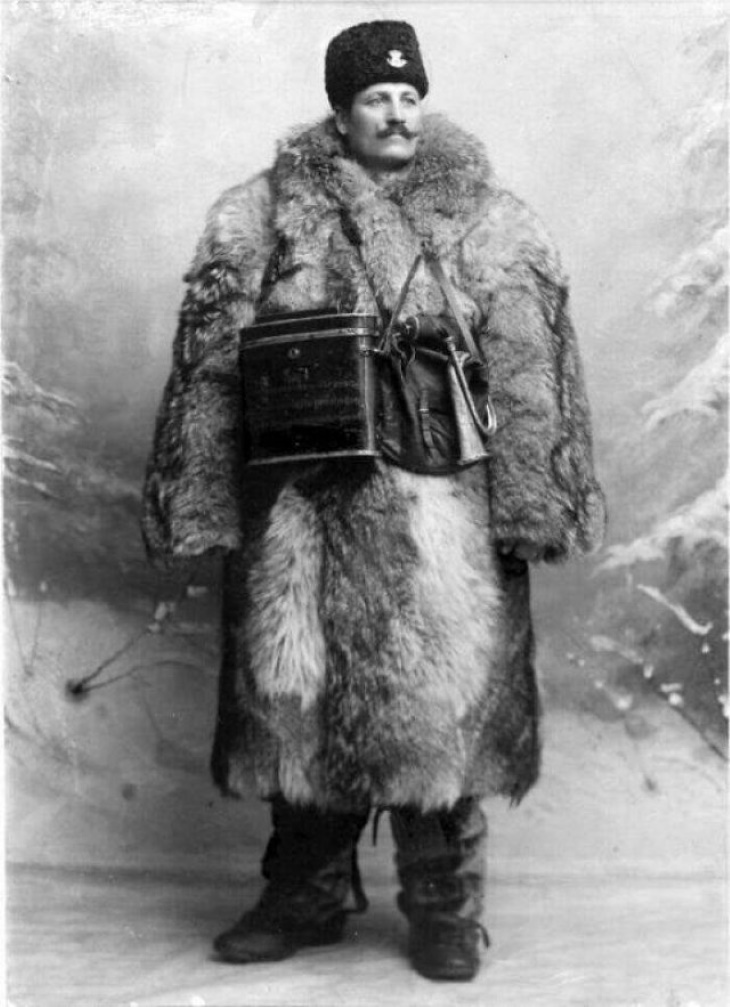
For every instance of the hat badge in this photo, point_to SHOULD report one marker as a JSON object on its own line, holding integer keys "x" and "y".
{"x": 395, "y": 58}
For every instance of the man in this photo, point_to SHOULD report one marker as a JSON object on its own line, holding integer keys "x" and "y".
{"x": 378, "y": 649}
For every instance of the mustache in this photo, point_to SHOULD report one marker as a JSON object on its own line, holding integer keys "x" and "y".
{"x": 397, "y": 129}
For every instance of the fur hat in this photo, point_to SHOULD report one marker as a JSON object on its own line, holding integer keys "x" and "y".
{"x": 372, "y": 53}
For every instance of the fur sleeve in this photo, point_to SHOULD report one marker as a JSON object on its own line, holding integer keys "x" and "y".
{"x": 190, "y": 495}
{"x": 543, "y": 488}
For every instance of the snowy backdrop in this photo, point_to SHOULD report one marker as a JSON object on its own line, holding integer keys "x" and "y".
{"x": 123, "y": 121}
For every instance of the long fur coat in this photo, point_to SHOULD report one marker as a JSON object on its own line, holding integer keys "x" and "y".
{"x": 377, "y": 648}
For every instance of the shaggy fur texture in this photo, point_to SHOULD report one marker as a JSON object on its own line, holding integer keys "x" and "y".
{"x": 376, "y": 651}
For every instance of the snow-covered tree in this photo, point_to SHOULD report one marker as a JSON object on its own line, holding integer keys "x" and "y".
{"x": 692, "y": 299}
{"x": 679, "y": 449}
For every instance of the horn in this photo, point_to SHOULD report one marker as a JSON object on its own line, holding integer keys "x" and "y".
{"x": 471, "y": 444}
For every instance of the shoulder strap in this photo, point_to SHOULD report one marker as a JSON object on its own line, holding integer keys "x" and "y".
{"x": 434, "y": 264}
{"x": 401, "y": 300}
{"x": 389, "y": 319}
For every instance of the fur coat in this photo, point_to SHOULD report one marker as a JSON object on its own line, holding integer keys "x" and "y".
{"x": 377, "y": 649}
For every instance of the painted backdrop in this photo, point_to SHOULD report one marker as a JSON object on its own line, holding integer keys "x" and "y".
{"x": 123, "y": 122}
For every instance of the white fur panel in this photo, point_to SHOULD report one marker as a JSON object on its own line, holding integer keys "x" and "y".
{"x": 429, "y": 793}
{"x": 458, "y": 597}
{"x": 285, "y": 641}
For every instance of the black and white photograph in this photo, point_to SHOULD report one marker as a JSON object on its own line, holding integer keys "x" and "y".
{"x": 365, "y": 526}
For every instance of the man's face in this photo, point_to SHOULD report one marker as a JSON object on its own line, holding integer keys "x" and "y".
{"x": 382, "y": 126}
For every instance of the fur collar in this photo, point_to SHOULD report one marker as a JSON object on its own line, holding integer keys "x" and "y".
{"x": 449, "y": 183}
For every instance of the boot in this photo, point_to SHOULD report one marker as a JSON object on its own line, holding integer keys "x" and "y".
{"x": 440, "y": 859}
{"x": 310, "y": 866}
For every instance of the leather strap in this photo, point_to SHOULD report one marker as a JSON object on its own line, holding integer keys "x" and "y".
{"x": 400, "y": 302}
{"x": 389, "y": 321}
{"x": 434, "y": 264}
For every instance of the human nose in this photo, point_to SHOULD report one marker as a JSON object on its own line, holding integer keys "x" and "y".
{"x": 395, "y": 112}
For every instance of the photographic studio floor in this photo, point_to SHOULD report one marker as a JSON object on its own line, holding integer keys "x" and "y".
{"x": 606, "y": 886}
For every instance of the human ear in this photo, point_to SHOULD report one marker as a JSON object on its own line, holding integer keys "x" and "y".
{"x": 341, "y": 121}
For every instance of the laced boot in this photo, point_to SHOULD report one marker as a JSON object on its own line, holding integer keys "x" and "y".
{"x": 440, "y": 858}
{"x": 310, "y": 866}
